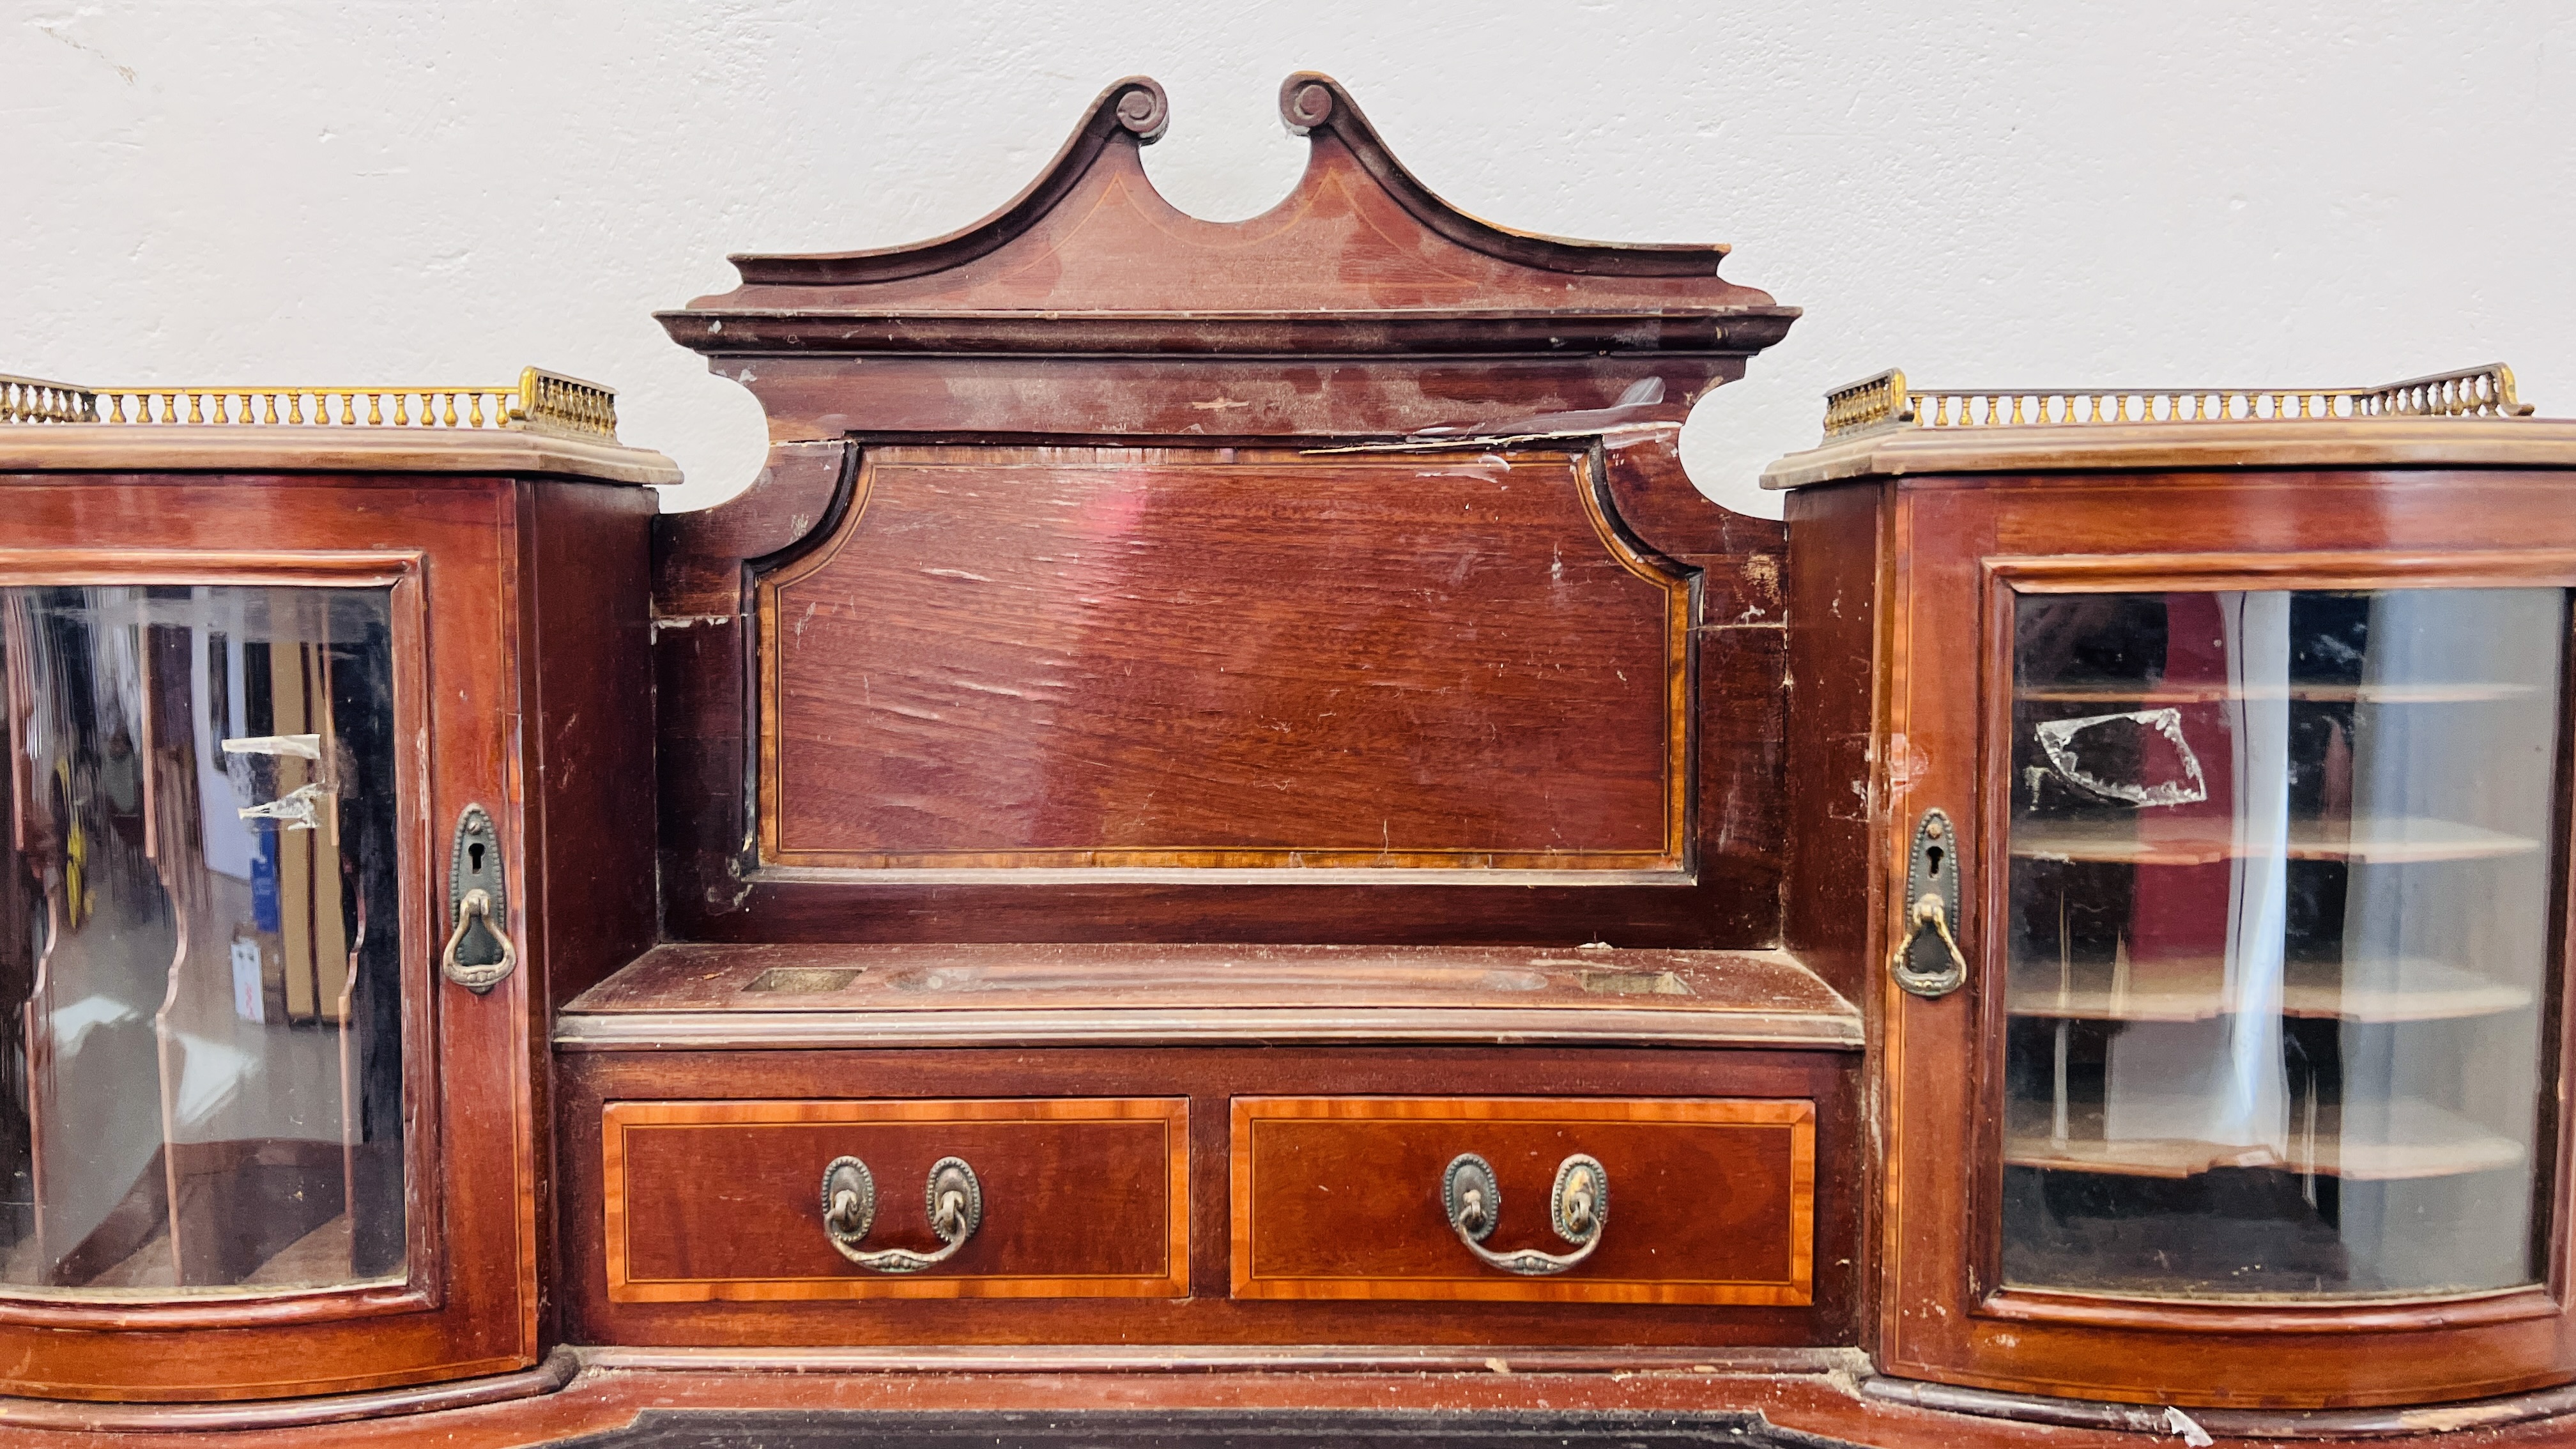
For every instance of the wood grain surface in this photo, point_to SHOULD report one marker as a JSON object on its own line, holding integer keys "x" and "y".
{"x": 1340, "y": 1197}
{"x": 356, "y": 457}
{"x": 1069, "y": 657}
{"x": 1073, "y": 1392}
{"x": 1810, "y": 1393}
{"x": 2313, "y": 445}
{"x": 722, "y": 1200}
{"x": 1087, "y": 314}
{"x": 1212, "y": 1078}
{"x": 716, "y": 886}
{"x": 700, "y": 995}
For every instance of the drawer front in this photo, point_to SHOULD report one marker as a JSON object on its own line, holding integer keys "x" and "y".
{"x": 1079, "y": 1198}
{"x": 1345, "y": 1197}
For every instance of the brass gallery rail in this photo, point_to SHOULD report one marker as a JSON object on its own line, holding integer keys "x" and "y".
{"x": 540, "y": 401}
{"x": 1887, "y": 401}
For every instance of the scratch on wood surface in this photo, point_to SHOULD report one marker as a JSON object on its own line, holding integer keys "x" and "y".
{"x": 2444, "y": 1419}
{"x": 1905, "y": 763}
{"x": 1624, "y": 435}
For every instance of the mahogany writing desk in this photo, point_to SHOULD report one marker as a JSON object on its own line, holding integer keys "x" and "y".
{"x": 1223, "y": 841}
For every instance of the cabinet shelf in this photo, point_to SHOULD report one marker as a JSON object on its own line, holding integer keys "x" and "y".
{"x": 2193, "y": 989}
{"x": 2408, "y": 1139}
{"x": 2148, "y": 841}
{"x": 2113, "y": 692}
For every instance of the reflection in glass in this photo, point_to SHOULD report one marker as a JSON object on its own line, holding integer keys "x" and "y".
{"x": 200, "y": 998}
{"x": 2280, "y": 928}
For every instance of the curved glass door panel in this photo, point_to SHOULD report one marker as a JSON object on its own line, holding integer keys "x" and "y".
{"x": 200, "y": 944}
{"x": 2280, "y": 931}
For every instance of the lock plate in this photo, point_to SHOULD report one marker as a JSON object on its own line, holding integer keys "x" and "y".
{"x": 1927, "y": 960}
{"x": 479, "y": 954}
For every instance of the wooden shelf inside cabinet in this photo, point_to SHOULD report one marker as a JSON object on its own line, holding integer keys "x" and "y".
{"x": 2141, "y": 841}
{"x": 2195, "y": 990}
{"x": 2114, "y": 692}
{"x": 799, "y": 995}
{"x": 2408, "y": 1139}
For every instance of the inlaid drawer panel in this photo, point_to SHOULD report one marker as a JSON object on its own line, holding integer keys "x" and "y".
{"x": 1064, "y": 1198}
{"x": 1353, "y": 1197}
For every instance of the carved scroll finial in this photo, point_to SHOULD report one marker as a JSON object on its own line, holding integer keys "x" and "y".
{"x": 1143, "y": 109}
{"x": 1305, "y": 101}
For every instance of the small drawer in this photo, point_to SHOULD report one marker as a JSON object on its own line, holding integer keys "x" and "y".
{"x": 1350, "y": 1197}
{"x": 1075, "y": 1198}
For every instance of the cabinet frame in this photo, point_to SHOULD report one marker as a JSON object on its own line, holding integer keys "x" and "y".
{"x": 1957, "y": 549}
{"x": 400, "y": 571}
{"x": 2004, "y": 579}
{"x": 450, "y": 548}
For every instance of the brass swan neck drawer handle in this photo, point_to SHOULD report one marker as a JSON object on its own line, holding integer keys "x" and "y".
{"x": 1578, "y": 1208}
{"x": 955, "y": 1199}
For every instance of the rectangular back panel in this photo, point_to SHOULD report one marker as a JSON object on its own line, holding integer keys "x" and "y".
{"x": 1224, "y": 658}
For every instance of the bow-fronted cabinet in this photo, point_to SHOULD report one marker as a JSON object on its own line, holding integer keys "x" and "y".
{"x": 2215, "y": 746}
{"x": 321, "y": 778}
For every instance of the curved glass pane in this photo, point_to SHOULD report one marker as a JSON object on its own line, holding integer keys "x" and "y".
{"x": 2281, "y": 927}
{"x": 200, "y": 999}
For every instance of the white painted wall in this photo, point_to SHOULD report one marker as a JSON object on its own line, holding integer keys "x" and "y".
{"x": 1983, "y": 192}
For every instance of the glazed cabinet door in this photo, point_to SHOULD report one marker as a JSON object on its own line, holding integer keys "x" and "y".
{"x": 256, "y": 1140}
{"x": 2237, "y": 882}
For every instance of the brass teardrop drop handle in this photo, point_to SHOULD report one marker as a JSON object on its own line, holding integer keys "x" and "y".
{"x": 954, "y": 1197}
{"x": 1929, "y": 915}
{"x": 474, "y": 916}
{"x": 1578, "y": 1209}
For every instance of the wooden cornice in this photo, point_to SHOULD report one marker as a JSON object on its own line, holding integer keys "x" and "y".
{"x": 1360, "y": 258}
